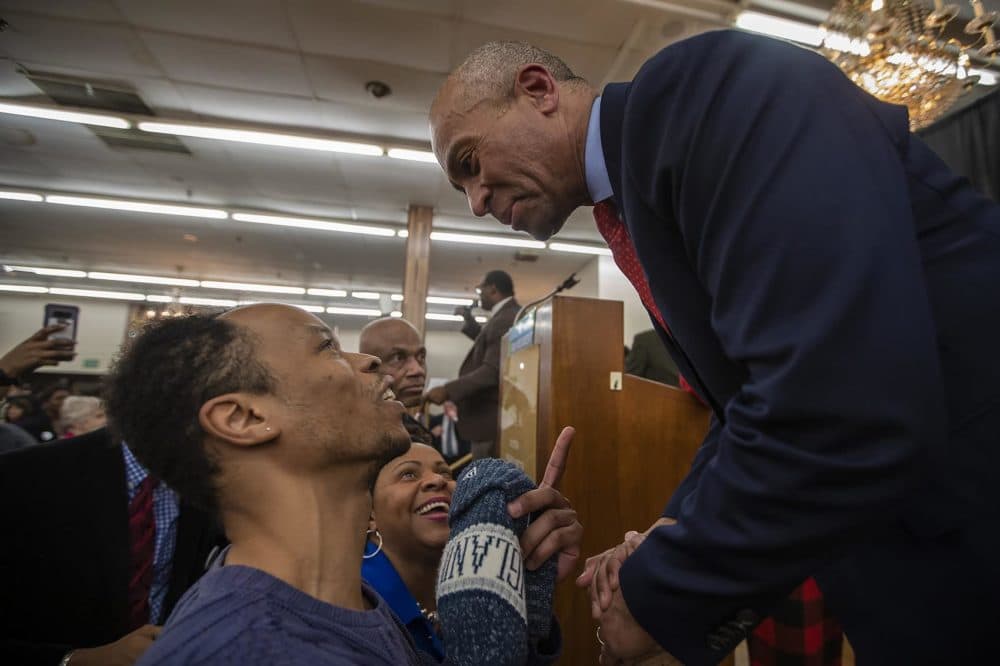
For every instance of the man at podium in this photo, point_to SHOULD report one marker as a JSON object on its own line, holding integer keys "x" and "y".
{"x": 829, "y": 289}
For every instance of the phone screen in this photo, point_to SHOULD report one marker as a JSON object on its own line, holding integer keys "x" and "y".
{"x": 62, "y": 314}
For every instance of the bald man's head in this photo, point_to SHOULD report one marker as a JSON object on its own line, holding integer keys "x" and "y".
{"x": 509, "y": 128}
{"x": 397, "y": 343}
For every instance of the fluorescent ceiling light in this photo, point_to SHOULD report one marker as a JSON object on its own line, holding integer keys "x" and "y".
{"x": 396, "y": 313}
{"x": 301, "y": 306}
{"x": 137, "y": 206}
{"x": 243, "y": 286}
{"x": 263, "y": 138}
{"x": 783, "y": 28}
{"x": 439, "y": 316}
{"x": 396, "y": 297}
{"x": 147, "y": 279}
{"x": 448, "y": 300}
{"x": 481, "y": 319}
{"x": 308, "y": 308}
{"x": 24, "y": 289}
{"x": 211, "y": 302}
{"x": 321, "y": 225}
{"x": 20, "y": 196}
{"x": 580, "y": 249}
{"x": 479, "y": 239}
{"x": 157, "y": 298}
{"x": 335, "y": 293}
{"x": 50, "y": 113}
{"x": 366, "y": 295}
{"x": 403, "y": 233}
{"x": 412, "y": 155}
{"x": 56, "y": 272}
{"x": 90, "y": 293}
{"x": 361, "y": 312}
{"x": 794, "y": 9}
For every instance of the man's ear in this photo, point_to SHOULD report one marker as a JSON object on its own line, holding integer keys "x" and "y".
{"x": 371, "y": 522}
{"x": 237, "y": 418}
{"x": 537, "y": 83}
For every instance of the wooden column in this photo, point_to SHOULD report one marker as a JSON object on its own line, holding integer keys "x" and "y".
{"x": 418, "y": 250}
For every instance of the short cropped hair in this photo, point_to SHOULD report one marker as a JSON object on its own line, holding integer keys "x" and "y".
{"x": 501, "y": 280}
{"x": 157, "y": 388}
{"x": 489, "y": 71}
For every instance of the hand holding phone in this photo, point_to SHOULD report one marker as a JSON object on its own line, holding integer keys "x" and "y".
{"x": 38, "y": 350}
{"x": 68, "y": 316}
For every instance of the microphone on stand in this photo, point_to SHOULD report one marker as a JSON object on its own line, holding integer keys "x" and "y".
{"x": 568, "y": 283}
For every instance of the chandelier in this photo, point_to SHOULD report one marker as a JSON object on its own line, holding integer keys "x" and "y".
{"x": 896, "y": 50}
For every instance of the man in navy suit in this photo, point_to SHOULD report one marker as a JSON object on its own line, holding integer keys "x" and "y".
{"x": 828, "y": 287}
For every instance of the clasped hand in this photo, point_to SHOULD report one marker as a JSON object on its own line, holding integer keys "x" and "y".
{"x": 623, "y": 640}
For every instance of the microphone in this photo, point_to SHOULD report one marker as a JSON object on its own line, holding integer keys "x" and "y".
{"x": 568, "y": 283}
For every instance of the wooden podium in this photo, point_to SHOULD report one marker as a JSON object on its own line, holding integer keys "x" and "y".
{"x": 635, "y": 439}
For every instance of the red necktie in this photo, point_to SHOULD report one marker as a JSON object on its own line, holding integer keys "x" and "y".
{"x": 141, "y": 530}
{"x": 616, "y": 236}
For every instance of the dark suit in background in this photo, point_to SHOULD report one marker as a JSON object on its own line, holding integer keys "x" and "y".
{"x": 64, "y": 562}
{"x": 831, "y": 291}
{"x": 648, "y": 358}
{"x": 476, "y": 391}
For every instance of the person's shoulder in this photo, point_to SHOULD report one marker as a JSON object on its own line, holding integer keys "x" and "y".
{"x": 217, "y": 613}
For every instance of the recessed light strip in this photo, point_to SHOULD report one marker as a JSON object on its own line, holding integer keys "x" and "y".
{"x": 20, "y": 196}
{"x": 482, "y": 239}
{"x": 263, "y": 138}
{"x": 137, "y": 206}
{"x": 580, "y": 248}
{"x": 53, "y": 113}
{"x": 320, "y": 225}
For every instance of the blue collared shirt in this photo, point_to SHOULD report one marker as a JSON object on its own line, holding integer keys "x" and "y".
{"x": 166, "y": 509}
{"x": 595, "y": 168}
{"x": 378, "y": 572}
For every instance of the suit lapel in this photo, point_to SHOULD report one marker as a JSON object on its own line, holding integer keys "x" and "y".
{"x": 613, "y": 101}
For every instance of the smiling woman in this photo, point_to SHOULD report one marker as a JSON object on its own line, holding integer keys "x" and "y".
{"x": 408, "y": 532}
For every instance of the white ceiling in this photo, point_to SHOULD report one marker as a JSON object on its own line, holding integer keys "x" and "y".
{"x": 299, "y": 64}
{"x": 296, "y": 64}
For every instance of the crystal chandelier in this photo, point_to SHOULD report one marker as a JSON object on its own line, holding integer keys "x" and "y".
{"x": 896, "y": 50}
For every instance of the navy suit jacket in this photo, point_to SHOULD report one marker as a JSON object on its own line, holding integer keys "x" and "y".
{"x": 833, "y": 294}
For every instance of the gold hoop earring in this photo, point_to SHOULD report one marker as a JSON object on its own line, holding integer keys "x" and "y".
{"x": 378, "y": 535}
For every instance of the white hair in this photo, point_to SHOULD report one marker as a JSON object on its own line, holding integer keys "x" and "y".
{"x": 77, "y": 408}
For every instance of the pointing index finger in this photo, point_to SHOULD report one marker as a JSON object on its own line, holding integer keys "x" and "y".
{"x": 557, "y": 459}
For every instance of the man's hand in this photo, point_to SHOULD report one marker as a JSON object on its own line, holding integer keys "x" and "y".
{"x": 436, "y": 395}
{"x": 557, "y": 530}
{"x": 123, "y": 652}
{"x": 623, "y": 641}
{"x": 37, "y": 351}
{"x": 450, "y": 410}
{"x": 601, "y": 571}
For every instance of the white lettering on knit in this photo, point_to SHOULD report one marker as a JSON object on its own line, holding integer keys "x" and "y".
{"x": 484, "y": 557}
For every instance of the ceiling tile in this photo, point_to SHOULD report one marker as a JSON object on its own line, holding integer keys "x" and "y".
{"x": 254, "y": 107}
{"x": 368, "y": 32}
{"x": 113, "y": 50}
{"x": 211, "y": 62}
{"x": 594, "y": 23}
{"x": 94, "y": 10}
{"x": 344, "y": 79}
{"x": 259, "y": 22}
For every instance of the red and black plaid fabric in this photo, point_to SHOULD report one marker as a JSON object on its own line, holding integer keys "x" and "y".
{"x": 800, "y": 632}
